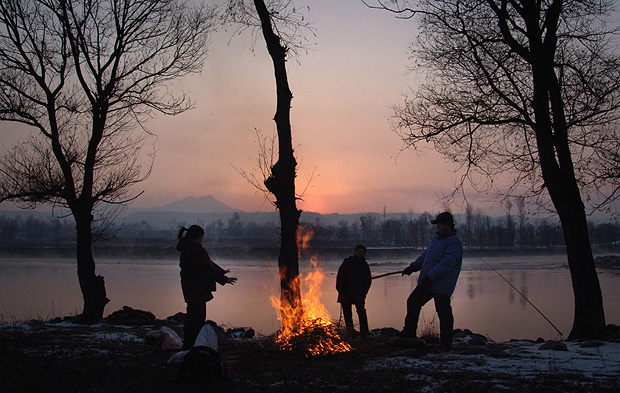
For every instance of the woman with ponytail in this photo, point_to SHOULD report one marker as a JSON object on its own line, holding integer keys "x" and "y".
{"x": 199, "y": 274}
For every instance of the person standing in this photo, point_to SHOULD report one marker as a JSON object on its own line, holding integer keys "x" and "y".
{"x": 439, "y": 267}
{"x": 199, "y": 274}
{"x": 352, "y": 283}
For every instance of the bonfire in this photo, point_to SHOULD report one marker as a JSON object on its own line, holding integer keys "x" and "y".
{"x": 307, "y": 329}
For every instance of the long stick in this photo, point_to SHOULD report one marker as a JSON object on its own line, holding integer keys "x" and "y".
{"x": 387, "y": 274}
{"x": 528, "y": 300}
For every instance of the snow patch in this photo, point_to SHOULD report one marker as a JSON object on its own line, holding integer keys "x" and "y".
{"x": 523, "y": 359}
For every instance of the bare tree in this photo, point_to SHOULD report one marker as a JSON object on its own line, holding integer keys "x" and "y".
{"x": 284, "y": 31}
{"x": 469, "y": 213}
{"x": 525, "y": 95}
{"x": 86, "y": 75}
{"x": 522, "y": 213}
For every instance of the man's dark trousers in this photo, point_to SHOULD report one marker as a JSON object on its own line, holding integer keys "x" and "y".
{"x": 347, "y": 312}
{"x": 418, "y": 298}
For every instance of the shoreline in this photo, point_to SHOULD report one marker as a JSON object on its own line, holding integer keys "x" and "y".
{"x": 157, "y": 251}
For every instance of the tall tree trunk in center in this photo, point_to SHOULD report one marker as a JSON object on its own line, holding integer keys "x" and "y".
{"x": 281, "y": 182}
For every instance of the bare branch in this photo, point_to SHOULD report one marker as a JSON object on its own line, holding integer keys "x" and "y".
{"x": 287, "y": 20}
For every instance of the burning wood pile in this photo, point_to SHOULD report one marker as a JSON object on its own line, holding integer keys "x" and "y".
{"x": 317, "y": 337}
{"x": 307, "y": 328}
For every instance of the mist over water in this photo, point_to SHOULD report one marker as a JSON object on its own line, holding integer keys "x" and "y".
{"x": 483, "y": 301}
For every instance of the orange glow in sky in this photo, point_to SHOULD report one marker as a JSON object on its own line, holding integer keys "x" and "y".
{"x": 343, "y": 90}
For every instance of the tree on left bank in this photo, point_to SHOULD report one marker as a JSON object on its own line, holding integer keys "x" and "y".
{"x": 85, "y": 75}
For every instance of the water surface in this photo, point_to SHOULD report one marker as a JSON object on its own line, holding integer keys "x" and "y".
{"x": 483, "y": 301}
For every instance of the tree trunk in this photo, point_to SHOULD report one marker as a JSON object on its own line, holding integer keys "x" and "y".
{"x": 282, "y": 180}
{"x": 92, "y": 286}
{"x": 589, "y": 320}
{"x": 559, "y": 175}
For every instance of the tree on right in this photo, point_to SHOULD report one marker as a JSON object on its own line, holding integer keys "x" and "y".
{"x": 524, "y": 96}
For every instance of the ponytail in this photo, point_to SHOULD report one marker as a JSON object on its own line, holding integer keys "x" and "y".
{"x": 181, "y": 231}
{"x": 193, "y": 232}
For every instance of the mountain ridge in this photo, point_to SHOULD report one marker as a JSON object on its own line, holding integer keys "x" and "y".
{"x": 204, "y": 204}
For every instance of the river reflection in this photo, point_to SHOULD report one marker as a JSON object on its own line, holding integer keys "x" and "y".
{"x": 483, "y": 301}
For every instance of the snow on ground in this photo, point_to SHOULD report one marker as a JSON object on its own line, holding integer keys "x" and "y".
{"x": 498, "y": 366}
{"x": 520, "y": 358}
{"x": 91, "y": 332}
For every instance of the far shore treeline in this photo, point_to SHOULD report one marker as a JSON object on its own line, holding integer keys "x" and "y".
{"x": 51, "y": 236}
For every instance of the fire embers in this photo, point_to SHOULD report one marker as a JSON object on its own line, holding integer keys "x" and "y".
{"x": 315, "y": 338}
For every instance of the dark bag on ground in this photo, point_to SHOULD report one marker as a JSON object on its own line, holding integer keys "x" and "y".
{"x": 204, "y": 363}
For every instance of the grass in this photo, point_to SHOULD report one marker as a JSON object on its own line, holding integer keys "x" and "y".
{"x": 428, "y": 329}
{"x": 34, "y": 315}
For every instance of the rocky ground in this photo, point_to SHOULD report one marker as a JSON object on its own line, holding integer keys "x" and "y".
{"x": 60, "y": 356}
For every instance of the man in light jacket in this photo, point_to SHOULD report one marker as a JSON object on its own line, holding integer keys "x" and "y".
{"x": 439, "y": 268}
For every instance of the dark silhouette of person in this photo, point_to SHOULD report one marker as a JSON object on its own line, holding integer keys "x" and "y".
{"x": 352, "y": 283}
{"x": 199, "y": 274}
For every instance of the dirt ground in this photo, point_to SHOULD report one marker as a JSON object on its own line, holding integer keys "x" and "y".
{"x": 62, "y": 357}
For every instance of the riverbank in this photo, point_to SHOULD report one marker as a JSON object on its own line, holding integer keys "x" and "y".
{"x": 62, "y": 356}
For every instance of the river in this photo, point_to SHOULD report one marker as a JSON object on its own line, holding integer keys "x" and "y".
{"x": 484, "y": 302}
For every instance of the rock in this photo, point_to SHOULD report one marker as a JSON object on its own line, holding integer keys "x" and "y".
{"x": 241, "y": 332}
{"x": 408, "y": 342}
{"x": 178, "y": 318}
{"x": 129, "y": 317}
{"x": 591, "y": 344}
{"x": 384, "y": 331}
{"x": 553, "y": 346}
{"x": 411, "y": 352}
{"x": 613, "y": 331}
{"x": 477, "y": 341}
{"x": 480, "y": 337}
{"x": 469, "y": 337}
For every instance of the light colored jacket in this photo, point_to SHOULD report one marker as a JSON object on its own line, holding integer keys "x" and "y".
{"x": 441, "y": 263}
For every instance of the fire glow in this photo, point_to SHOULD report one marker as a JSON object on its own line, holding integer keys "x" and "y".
{"x": 311, "y": 332}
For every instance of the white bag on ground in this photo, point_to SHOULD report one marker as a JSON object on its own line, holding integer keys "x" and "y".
{"x": 170, "y": 340}
{"x": 164, "y": 338}
{"x": 206, "y": 338}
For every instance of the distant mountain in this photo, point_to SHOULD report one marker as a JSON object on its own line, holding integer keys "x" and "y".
{"x": 205, "y": 204}
{"x": 192, "y": 210}
{"x": 205, "y": 210}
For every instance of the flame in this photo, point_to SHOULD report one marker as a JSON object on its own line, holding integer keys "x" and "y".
{"x": 304, "y": 235}
{"x": 312, "y": 332}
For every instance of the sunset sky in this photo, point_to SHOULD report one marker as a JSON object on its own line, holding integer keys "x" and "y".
{"x": 343, "y": 88}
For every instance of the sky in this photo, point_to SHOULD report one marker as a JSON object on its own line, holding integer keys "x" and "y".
{"x": 344, "y": 88}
